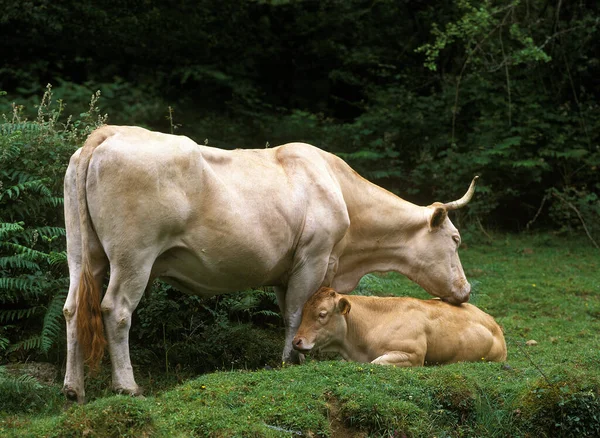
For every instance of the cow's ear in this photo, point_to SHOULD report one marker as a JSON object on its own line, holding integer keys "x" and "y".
{"x": 437, "y": 218}
{"x": 344, "y": 306}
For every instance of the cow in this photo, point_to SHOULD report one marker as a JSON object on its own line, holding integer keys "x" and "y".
{"x": 144, "y": 205}
{"x": 400, "y": 331}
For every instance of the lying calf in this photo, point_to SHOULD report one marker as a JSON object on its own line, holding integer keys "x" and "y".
{"x": 398, "y": 331}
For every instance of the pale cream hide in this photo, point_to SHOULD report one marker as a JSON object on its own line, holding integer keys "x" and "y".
{"x": 208, "y": 221}
{"x": 399, "y": 331}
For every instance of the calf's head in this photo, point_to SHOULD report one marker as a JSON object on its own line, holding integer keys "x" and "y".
{"x": 433, "y": 252}
{"x": 323, "y": 323}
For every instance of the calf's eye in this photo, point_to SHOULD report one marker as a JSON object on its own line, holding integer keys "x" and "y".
{"x": 322, "y": 314}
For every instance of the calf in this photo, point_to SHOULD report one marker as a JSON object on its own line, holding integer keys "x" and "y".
{"x": 398, "y": 331}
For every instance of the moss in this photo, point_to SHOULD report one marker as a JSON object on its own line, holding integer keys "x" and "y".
{"x": 118, "y": 416}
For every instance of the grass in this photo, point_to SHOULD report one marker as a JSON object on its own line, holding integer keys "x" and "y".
{"x": 544, "y": 288}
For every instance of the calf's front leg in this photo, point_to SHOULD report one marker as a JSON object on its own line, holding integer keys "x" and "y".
{"x": 400, "y": 359}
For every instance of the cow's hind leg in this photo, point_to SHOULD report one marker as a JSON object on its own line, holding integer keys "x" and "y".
{"x": 125, "y": 289}
{"x": 74, "y": 376}
{"x": 73, "y": 387}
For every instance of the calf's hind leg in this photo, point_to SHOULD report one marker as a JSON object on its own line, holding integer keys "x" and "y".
{"x": 125, "y": 289}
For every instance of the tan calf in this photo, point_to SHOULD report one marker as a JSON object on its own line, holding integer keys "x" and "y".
{"x": 398, "y": 331}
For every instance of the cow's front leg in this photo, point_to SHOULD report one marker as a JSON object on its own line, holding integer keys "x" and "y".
{"x": 289, "y": 356}
{"x": 400, "y": 359}
{"x": 302, "y": 285}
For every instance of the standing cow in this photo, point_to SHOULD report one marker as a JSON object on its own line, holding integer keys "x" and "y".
{"x": 147, "y": 205}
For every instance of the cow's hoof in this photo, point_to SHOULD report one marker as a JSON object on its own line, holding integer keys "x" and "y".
{"x": 72, "y": 396}
{"x": 294, "y": 358}
{"x": 138, "y": 392}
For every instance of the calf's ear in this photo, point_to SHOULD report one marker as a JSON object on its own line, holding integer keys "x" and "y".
{"x": 437, "y": 218}
{"x": 344, "y": 306}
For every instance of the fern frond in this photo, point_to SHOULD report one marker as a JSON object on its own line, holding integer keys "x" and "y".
{"x": 31, "y": 254}
{"x": 23, "y": 127}
{"x": 43, "y": 232}
{"x": 15, "y": 314}
{"x": 32, "y": 343}
{"x": 16, "y": 262}
{"x": 14, "y": 384}
{"x": 19, "y": 176}
{"x": 14, "y": 191}
{"x": 10, "y": 152}
{"x": 7, "y": 228}
{"x": 20, "y": 284}
{"x": 268, "y": 313}
{"x": 53, "y": 321}
{"x": 246, "y": 304}
{"x": 57, "y": 258}
{"x": 266, "y": 294}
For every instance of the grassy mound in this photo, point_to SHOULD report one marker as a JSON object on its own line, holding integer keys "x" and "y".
{"x": 541, "y": 288}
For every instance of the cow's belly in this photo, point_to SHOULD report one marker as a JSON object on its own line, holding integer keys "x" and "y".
{"x": 206, "y": 272}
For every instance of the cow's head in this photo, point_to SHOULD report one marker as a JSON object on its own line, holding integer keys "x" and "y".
{"x": 434, "y": 262}
{"x": 323, "y": 324}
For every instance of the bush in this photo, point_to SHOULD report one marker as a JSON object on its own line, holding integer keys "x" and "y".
{"x": 565, "y": 408}
{"x": 33, "y": 276}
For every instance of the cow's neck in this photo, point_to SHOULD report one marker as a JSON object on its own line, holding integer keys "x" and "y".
{"x": 381, "y": 228}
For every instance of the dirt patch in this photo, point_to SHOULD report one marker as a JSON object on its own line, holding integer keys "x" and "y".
{"x": 336, "y": 420}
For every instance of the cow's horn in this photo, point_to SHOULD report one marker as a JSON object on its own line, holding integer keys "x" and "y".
{"x": 464, "y": 200}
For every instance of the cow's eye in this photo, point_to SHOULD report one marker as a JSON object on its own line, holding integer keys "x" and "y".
{"x": 456, "y": 239}
{"x": 322, "y": 314}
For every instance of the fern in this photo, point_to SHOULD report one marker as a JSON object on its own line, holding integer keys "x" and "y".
{"x": 24, "y": 127}
{"x": 32, "y": 343}
{"x": 7, "y": 228}
{"x": 33, "y": 261}
{"x": 252, "y": 303}
{"x": 53, "y": 321}
{"x": 17, "y": 262}
{"x": 17, "y": 384}
{"x": 19, "y": 283}
{"x": 25, "y": 252}
{"x": 14, "y": 314}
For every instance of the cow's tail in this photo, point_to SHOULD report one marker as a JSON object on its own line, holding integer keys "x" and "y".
{"x": 90, "y": 329}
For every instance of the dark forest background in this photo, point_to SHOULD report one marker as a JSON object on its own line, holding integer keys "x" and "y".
{"x": 418, "y": 96}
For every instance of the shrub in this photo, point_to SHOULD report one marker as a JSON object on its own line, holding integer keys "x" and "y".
{"x": 33, "y": 277}
{"x": 565, "y": 408}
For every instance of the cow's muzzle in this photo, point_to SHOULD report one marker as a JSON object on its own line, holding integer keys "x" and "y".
{"x": 300, "y": 345}
{"x": 459, "y": 297}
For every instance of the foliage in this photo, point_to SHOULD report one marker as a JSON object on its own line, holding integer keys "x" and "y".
{"x": 24, "y": 394}
{"x": 418, "y": 96}
{"x": 222, "y": 330}
{"x": 33, "y": 279}
{"x": 565, "y": 408}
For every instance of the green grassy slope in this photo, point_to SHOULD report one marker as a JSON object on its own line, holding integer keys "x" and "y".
{"x": 541, "y": 288}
